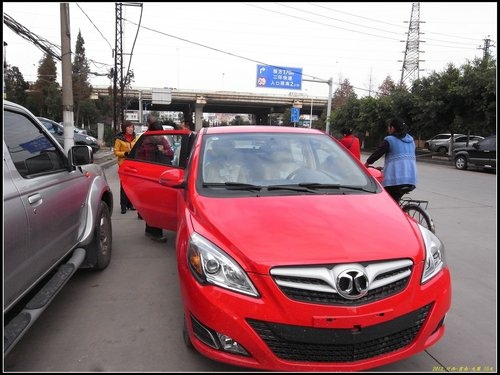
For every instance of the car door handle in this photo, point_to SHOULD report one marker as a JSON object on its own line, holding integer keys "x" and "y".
{"x": 35, "y": 198}
{"x": 130, "y": 169}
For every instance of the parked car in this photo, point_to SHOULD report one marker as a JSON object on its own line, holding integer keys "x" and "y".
{"x": 57, "y": 130}
{"x": 441, "y": 142}
{"x": 79, "y": 130}
{"x": 481, "y": 154}
{"x": 57, "y": 218}
{"x": 465, "y": 141}
{"x": 290, "y": 254}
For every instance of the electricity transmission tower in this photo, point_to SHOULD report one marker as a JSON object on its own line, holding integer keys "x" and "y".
{"x": 119, "y": 80}
{"x": 486, "y": 48}
{"x": 118, "y": 114}
{"x": 411, "y": 61}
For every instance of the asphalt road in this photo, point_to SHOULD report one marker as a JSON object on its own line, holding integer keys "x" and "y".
{"x": 128, "y": 318}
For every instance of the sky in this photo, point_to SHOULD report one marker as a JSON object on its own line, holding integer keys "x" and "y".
{"x": 217, "y": 46}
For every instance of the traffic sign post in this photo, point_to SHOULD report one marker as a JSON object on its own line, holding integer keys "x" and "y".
{"x": 295, "y": 114}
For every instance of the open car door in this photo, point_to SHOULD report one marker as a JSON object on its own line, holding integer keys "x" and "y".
{"x": 156, "y": 154}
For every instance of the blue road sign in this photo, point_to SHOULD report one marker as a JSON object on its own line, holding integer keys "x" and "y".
{"x": 279, "y": 77}
{"x": 295, "y": 114}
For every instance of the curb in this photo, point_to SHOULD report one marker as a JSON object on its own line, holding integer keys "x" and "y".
{"x": 105, "y": 159}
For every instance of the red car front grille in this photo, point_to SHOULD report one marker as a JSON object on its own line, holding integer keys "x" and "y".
{"x": 312, "y": 289}
{"x": 312, "y": 296}
{"x": 308, "y": 344}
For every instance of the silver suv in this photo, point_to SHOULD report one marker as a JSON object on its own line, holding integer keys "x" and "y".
{"x": 57, "y": 218}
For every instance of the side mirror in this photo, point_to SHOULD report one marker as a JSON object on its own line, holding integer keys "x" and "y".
{"x": 80, "y": 155}
{"x": 376, "y": 173}
{"x": 172, "y": 178}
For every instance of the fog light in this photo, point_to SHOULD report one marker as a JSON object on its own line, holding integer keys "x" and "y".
{"x": 230, "y": 345}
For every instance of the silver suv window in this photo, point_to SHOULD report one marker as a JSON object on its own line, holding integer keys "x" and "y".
{"x": 30, "y": 149}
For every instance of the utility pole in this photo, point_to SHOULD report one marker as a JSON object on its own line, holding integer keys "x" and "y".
{"x": 486, "y": 48}
{"x": 410, "y": 70}
{"x": 67, "y": 83}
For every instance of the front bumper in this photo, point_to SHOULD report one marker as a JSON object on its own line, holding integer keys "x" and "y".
{"x": 281, "y": 334}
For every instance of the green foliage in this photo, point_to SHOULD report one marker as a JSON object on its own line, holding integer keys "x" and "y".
{"x": 45, "y": 97}
{"x": 457, "y": 99}
{"x": 15, "y": 85}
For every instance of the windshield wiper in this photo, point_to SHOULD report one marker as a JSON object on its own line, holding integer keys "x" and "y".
{"x": 233, "y": 185}
{"x": 316, "y": 185}
{"x": 294, "y": 187}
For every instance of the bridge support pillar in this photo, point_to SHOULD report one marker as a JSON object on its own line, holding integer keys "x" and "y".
{"x": 198, "y": 116}
{"x": 261, "y": 118}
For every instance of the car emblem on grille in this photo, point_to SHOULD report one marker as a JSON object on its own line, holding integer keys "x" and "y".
{"x": 352, "y": 283}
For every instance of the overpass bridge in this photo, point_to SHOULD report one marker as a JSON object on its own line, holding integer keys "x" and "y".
{"x": 199, "y": 102}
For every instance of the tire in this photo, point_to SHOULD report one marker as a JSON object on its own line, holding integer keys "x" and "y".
{"x": 420, "y": 215}
{"x": 99, "y": 250}
{"x": 461, "y": 162}
{"x": 442, "y": 150}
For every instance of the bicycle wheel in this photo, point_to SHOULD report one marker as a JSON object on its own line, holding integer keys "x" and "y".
{"x": 420, "y": 215}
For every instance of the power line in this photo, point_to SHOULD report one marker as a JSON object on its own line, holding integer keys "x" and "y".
{"x": 391, "y": 24}
{"x": 94, "y": 26}
{"x": 135, "y": 39}
{"x": 359, "y": 25}
{"x": 42, "y": 43}
{"x": 321, "y": 23}
{"x": 37, "y": 40}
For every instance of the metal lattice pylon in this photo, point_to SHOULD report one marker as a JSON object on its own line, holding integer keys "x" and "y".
{"x": 118, "y": 86}
{"x": 411, "y": 61}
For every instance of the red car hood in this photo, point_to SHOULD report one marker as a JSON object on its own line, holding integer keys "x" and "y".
{"x": 261, "y": 232}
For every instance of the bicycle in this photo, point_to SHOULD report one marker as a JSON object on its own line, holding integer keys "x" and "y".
{"x": 415, "y": 208}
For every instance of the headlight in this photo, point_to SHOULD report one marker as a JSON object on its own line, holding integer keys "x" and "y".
{"x": 210, "y": 265}
{"x": 434, "y": 254}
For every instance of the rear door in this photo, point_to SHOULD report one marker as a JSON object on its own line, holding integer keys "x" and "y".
{"x": 484, "y": 152}
{"x": 154, "y": 153}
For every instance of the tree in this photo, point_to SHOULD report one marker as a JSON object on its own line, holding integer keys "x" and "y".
{"x": 478, "y": 87}
{"x": 387, "y": 87}
{"x": 46, "y": 97}
{"x": 344, "y": 92}
{"x": 81, "y": 86}
{"x": 15, "y": 85}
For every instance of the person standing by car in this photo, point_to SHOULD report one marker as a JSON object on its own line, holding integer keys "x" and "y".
{"x": 351, "y": 142}
{"x": 156, "y": 234}
{"x": 400, "y": 167}
{"x": 187, "y": 143}
{"x": 124, "y": 141}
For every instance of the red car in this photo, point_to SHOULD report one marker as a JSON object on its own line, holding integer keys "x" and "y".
{"x": 291, "y": 256}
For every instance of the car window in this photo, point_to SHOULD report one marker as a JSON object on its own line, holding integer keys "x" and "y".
{"x": 441, "y": 137}
{"x": 487, "y": 143}
{"x": 155, "y": 149}
{"x": 160, "y": 149}
{"x": 52, "y": 128}
{"x": 30, "y": 149}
